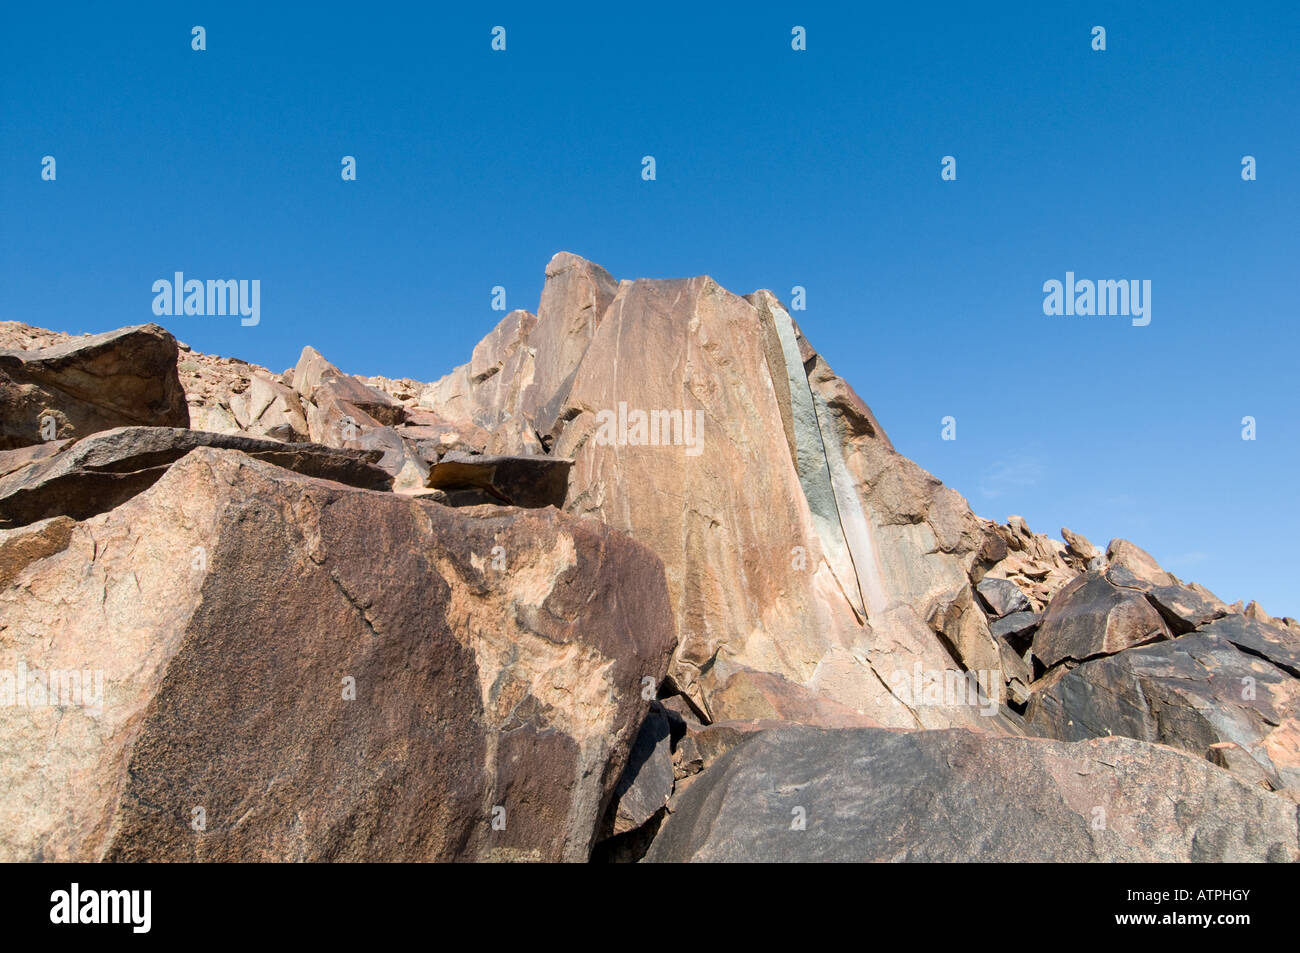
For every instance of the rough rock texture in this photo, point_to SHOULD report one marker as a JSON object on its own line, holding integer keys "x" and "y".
{"x": 317, "y": 402}
{"x": 80, "y": 385}
{"x": 107, "y": 469}
{"x": 1183, "y": 608}
{"x": 1139, "y": 562}
{"x": 795, "y": 540}
{"x": 955, "y": 795}
{"x": 747, "y": 696}
{"x": 229, "y": 606}
{"x": 1191, "y": 693}
{"x": 1091, "y": 617}
{"x": 1002, "y": 596}
{"x": 1040, "y": 566}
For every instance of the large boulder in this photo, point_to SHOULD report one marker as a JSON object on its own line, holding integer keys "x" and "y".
{"x": 320, "y": 382}
{"x": 106, "y": 469}
{"x": 1194, "y": 692}
{"x": 283, "y": 668}
{"x": 1183, "y": 607}
{"x": 1092, "y": 617}
{"x": 81, "y": 385}
{"x": 805, "y": 794}
{"x": 1002, "y": 597}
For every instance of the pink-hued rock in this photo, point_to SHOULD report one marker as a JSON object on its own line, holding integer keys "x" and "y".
{"x": 320, "y": 672}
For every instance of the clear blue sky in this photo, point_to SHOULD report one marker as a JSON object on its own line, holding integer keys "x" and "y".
{"x": 775, "y": 169}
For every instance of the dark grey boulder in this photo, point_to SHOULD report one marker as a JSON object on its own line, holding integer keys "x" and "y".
{"x": 1017, "y": 624}
{"x": 1190, "y": 693}
{"x": 647, "y": 779}
{"x": 1002, "y": 596}
{"x": 803, "y": 794}
{"x": 1182, "y": 607}
{"x": 1276, "y": 644}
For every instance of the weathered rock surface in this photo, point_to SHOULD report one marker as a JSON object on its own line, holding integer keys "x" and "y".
{"x": 82, "y": 385}
{"x": 1091, "y": 617}
{"x": 1136, "y": 560}
{"x": 234, "y": 609}
{"x": 108, "y": 468}
{"x": 319, "y": 381}
{"x": 795, "y": 540}
{"x": 748, "y": 696}
{"x": 1277, "y": 645}
{"x": 1183, "y": 608}
{"x": 1191, "y": 693}
{"x": 1039, "y": 566}
{"x": 1015, "y": 625}
{"x": 1078, "y": 547}
{"x": 956, "y": 795}
{"x": 806, "y": 571}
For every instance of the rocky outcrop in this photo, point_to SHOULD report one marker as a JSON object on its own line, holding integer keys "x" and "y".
{"x": 652, "y": 578}
{"x": 105, "y": 470}
{"x": 287, "y": 668}
{"x": 796, "y": 541}
{"x": 803, "y": 794}
{"x": 74, "y": 387}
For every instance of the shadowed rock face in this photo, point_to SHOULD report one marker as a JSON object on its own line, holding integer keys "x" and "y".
{"x": 1234, "y": 680}
{"x": 647, "y": 779}
{"x": 117, "y": 379}
{"x": 871, "y": 795}
{"x": 529, "y": 481}
{"x": 233, "y": 606}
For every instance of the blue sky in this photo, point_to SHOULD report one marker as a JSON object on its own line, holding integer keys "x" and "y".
{"x": 775, "y": 168}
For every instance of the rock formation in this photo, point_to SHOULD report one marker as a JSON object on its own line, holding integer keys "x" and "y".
{"x": 618, "y": 586}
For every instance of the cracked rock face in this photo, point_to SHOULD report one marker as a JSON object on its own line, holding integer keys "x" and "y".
{"x": 1231, "y": 681}
{"x": 1188, "y": 694}
{"x": 795, "y": 540}
{"x": 320, "y": 672}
